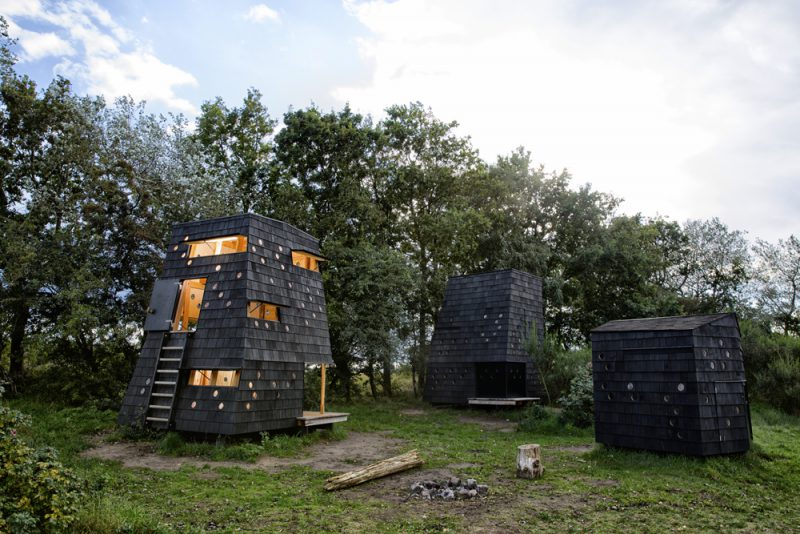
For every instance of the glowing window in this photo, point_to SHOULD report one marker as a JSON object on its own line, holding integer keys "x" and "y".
{"x": 213, "y": 377}
{"x": 187, "y": 313}
{"x": 263, "y": 310}
{"x": 217, "y": 246}
{"x": 306, "y": 260}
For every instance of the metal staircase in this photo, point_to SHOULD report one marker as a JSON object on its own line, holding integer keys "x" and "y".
{"x": 165, "y": 380}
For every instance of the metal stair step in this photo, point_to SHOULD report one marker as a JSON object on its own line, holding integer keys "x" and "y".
{"x": 158, "y": 419}
{"x": 162, "y": 383}
{"x": 169, "y": 359}
{"x": 173, "y": 347}
{"x": 159, "y": 407}
{"x": 166, "y": 370}
{"x": 163, "y": 395}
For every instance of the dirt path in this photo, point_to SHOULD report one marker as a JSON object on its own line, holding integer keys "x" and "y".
{"x": 356, "y": 450}
{"x": 487, "y": 422}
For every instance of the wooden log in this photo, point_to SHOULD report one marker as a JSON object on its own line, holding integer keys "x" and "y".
{"x": 529, "y": 461}
{"x": 383, "y": 468}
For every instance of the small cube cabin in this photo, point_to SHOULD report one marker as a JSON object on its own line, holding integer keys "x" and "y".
{"x": 477, "y": 353}
{"x": 234, "y": 318}
{"x": 671, "y": 384}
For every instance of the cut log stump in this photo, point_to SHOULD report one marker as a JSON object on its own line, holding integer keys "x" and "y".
{"x": 381, "y": 469}
{"x": 529, "y": 461}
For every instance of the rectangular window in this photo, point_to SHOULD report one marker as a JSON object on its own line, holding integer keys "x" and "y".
{"x": 213, "y": 377}
{"x": 189, "y": 301}
{"x": 306, "y": 260}
{"x": 263, "y": 310}
{"x": 218, "y": 245}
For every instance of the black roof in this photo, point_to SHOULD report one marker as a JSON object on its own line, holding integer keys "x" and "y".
{"x": 677, "y": 323}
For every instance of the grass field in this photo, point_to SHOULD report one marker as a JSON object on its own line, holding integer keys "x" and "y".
{"x": 585, "y": 487}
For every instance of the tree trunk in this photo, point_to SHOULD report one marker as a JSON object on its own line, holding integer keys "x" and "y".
{"x": 387, "y": 376}
{"x": 529, "y": 462}
{"x": 17, "y": 349}
{"x": 371, "y": 376}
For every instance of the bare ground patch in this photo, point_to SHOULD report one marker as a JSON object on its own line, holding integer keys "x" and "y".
{"x": 486, "y": 422}
{"x": 356, "y": 450}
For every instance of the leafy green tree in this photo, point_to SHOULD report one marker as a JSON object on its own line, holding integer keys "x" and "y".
{"x": 778, "y": 282}
{"x": 716, "y": 268}
{"x": 433, "y": 174}
{"x": 236, "y": 144}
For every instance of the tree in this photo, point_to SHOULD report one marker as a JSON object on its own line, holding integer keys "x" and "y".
{"x": 433, "y": 175}
{"x": 236, "y": 144}
{"x": 778, "y": 282}
{"x": 715, "y": 268}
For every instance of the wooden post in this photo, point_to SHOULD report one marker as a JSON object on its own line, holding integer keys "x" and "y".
{"x": 322, "y": 392}
{"x": 529, "y": 462}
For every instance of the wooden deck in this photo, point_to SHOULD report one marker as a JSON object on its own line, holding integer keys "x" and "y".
{"x": 317, "y": 418}
{"x": 502, "y": 401}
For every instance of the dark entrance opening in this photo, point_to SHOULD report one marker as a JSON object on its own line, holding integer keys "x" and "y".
{"x": 500, "y": 380}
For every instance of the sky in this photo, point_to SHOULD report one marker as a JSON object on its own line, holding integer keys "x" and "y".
{"x": 688, "y": 109}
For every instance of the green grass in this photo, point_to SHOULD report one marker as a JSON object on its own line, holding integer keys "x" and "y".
{"x": 602, "y": 490}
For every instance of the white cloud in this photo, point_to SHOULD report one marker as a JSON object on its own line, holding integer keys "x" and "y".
{"x": 649, "y": 101}
{"x": 261, "y": 13}
{"x": 98, "y": 55}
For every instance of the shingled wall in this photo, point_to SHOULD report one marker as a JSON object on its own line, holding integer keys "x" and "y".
{"x": 270, "y": 355}
{"x": 485, "y": 319}
{"x": 672, "y": 384}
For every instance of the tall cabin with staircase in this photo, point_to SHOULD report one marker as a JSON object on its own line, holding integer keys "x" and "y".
{"x": 234, "y": 319}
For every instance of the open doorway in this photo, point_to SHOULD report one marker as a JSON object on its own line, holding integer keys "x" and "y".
{"x": 190, "y": 301}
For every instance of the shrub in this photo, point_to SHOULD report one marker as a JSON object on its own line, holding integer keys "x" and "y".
{"x": 37, "y": 494}
{"x": 779, "y": 383}
{"x": 578, "y": 405}
{"x": 556, "y": 366}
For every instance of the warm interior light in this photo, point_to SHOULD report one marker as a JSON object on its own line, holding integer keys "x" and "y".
{"x": 216, "y": 246}
{"x": 263, "y": 310}
{"x": 213, "y": 377}
{"x": 187, "y": 312}
{"x": 306, "y": 260}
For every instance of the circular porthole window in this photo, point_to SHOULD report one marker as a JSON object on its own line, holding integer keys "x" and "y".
{"x": 727, "y": 422}
{"x": 205, "y": 304}
{"x": 630, "y": 386}
{"x": 175, "y": 248}
{"x": 727, "y": 354}
{"x": 220, "y": 294}
{"x": 252, "y": 249}
{"x": 280, "y": 248}
{"x": 258, "y": 374}
{"x": 247, "y": 406}
{"x": 186, "y": 238}
{"x": 720, "y": 343}
{"x": 221, "y": 405}
{"x": 712, "y": 365}
{"x": 147, "y": 382}
{"x": 676, "y": 411}
{"x": 263, "y": 261}
{"x": 603, "y": 386}
{"x": 254, "y": 395}
{"x": 189, "y": 262}
{"x": 141, "y": 391}
{"x": 228, "y": 304}
{"x": 274, "y": 384}
{"x": 260, "y": 242}
{"x": 610, "y": 396}
{"x": 286, "y": 327}
{"x": 672, "y": 422}
{"x": 680, "y": 435}
{"x": 215, "y": 394}
{"x": 194, "y": 404}
{"x": 666, "y": 398}
{"x": 183, "y": 255}
{"x": 238, "y": 275}
{"x": 256, "y": 323}
{"x": 681, "y": 387}
{"x": 277, "y": 256}
{"x": 250, "y": 385}
{"x": 218, "y": 268}
{"x": 601, "y": 356}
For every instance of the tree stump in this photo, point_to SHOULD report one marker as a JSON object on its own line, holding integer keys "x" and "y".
{"x": 529, "y": 462}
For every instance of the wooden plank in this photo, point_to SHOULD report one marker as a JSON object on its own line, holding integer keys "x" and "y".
{"x": 317, "y": 418}
{"x": 511, "y": 401}
{"x": 383, "y": 468}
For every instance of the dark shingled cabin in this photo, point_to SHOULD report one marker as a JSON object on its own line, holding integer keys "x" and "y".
{"x": 477, "y": 353}
{"x": 234, "y": 318}
{"x": 671, "y": 384}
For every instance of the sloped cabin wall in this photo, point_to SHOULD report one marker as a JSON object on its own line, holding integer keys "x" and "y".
{"x": 655, "y": 390}
{"x": 270, "y": 355}
{"x": 485, "y": 318}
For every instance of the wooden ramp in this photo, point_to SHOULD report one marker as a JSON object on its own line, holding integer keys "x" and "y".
{"x": 317, "y": 418}
{"x": 502, "y": 401}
